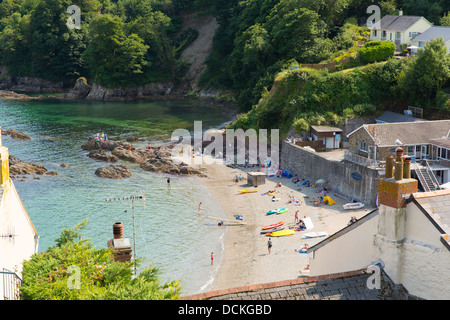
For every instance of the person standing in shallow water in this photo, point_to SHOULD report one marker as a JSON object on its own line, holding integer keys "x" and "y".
{"x": 212, "y": 257}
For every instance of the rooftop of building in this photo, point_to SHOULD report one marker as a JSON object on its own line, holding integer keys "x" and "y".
{"x": 432, "y": 33}
{"x": 396, "y": 22}
{"x": 409, "y": 133}
{"x": 351, "y": 285}
{"x": 434, "y": 205}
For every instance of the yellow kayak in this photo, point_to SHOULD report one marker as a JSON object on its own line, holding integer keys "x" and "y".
{"x": 281, "y": 233}
{"x": 247, "y": 191}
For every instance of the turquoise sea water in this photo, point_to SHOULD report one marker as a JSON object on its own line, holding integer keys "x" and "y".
{"x": 169, "y": 232}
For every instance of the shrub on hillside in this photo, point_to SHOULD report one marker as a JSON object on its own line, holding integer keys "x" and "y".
{"x": 377, "y": 51}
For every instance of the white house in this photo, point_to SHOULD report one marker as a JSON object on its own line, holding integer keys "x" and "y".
{"x": 399, "y": 29}
{"x": 18, "y": 237}
{"x": 434, "y": 32}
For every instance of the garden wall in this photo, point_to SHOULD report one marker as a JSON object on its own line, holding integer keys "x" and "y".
{"x": 338, "y": 173}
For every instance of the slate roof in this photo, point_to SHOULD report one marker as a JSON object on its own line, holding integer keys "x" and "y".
{"x": 409, "y": 133}
{"x": 390, "y": 117}
{"x": 433, "y": 33}
{"x": 350, "y": 285}
{"x": 396, "y": 23}
{"x": 436, "y": 204}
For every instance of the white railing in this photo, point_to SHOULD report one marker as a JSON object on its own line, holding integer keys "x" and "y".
{"x": 352, "y": 157}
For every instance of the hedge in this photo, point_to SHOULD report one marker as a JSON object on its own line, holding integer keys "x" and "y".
{"x": 377, "y": 51}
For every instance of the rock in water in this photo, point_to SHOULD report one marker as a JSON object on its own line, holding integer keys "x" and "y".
{"x": 102, "y": 156}
{"x": 16, "y": 135}
{"x": 114, "y": 171}
{"x": 19, "y": 167}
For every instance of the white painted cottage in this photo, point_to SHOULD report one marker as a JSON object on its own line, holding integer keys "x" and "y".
{"x": 399, "y": 29}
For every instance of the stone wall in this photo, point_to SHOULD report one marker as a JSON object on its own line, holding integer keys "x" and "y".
{"x": 312, "y": 166}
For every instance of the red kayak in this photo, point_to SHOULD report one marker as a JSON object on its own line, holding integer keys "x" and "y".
{"x": 274, "y": 225}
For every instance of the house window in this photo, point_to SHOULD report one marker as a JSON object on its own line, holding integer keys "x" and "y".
{"x": 421, "y": 44}
{"x": 374, "y": 33}
{"x": 397, "y": 36}
{"x": 411, "y": 152}
{"x": 363, "y": 146}
{"x": 413, "y": 34}
{"x": 383, "y": 34}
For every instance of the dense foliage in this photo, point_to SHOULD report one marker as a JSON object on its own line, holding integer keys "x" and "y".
{"x": 304, "y": 97}
{"x": 259, "y": 38}
{"x": 120, "y": 42}
{"x": 52, "y": 275}
{"x": 132, "y": 42}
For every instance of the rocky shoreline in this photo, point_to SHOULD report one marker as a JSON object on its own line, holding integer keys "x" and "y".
{"x": 82, "y": 90}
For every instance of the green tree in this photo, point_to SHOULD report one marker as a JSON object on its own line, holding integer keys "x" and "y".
{"x": 112, "y": 57}
{"x": 46, "y": 276}
{"x": 55, "y": 50}
{"x": 292, "y": 29}
{"x": 427, "y": 73}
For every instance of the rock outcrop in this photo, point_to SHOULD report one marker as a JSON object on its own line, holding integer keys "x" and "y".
{"x": 149, "y": 90}
{"x": 103, "y": 156}
{"x": 16, "y": 135}
{"x": 157, "y": 159}
{"x": 19, "y": 167}
{"x": 79, "y": 91}
{"x": 114, "y": 171}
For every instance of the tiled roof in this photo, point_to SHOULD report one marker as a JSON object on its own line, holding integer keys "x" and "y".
{"x": 396, "y": 23}
{"x": 350, "y": 285}
{"x": 441, "y": 142}
{"x": 409, "y": 133}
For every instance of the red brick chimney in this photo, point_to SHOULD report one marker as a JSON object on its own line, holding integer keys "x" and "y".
{"x": 397, "y": 181}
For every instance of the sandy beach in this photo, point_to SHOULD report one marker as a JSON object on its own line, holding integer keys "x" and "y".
{"x": 246, "y": 259}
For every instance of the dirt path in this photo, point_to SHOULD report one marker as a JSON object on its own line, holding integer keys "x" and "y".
{"x": 199, "y": 50}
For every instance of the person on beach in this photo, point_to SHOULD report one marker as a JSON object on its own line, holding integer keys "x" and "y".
{"x": 269, "y": 245}
{"x": 296, "y": 217}
{"x": 200, "y": 207}
{"x": 212, "y": 257}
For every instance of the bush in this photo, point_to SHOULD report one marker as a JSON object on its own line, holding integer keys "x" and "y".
{"x": 377, "y": 51}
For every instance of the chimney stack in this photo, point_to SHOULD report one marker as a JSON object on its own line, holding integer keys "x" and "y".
{"x": 397, "y": 181}
{"x": 120, "y": 245}
{"x": 118, "y": 230}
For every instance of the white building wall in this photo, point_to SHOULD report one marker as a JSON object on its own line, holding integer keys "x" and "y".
{"x": 350, "y": 251}
{"x": 14, "y": 220}
{"x": 426, "y": 261}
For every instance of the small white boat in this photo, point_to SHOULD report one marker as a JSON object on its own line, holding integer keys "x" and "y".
{"x": 315, "y": 234}
{"x": 353, "y": 205}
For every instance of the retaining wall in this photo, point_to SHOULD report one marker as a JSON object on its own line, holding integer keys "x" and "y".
{"x": 312, "y": 166}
